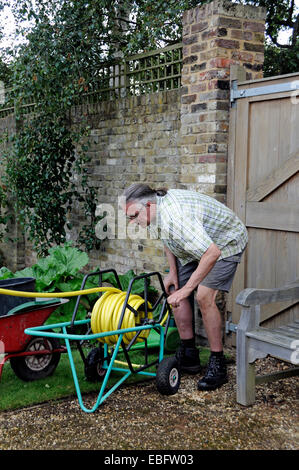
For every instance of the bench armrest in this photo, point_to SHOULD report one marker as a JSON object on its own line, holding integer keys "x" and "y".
{"x": 249, "y": 297}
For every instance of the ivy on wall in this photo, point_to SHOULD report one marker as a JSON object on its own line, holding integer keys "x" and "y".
{"x": 46, "y": 162}
{"x": 46, "y": 175}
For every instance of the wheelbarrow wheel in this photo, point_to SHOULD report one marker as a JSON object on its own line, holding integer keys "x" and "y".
{"x": 168, "y": 376}
{"x": 93, "y": 368}
{"x": 38, "y": 366}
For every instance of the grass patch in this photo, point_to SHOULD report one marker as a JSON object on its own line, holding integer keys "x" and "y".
{"x": 14, "y": 393}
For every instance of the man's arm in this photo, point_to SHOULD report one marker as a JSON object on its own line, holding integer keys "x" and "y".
{"x": 171, "y": 260}
{"x": 172, "y": 277}
{"x": 205, "y": 265}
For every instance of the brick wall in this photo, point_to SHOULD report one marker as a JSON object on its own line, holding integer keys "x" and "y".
{"x": 132, "y": 139}
{"x": 215, "y": 37}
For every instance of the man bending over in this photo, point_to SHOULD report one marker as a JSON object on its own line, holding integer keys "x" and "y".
{"x": 204, "y": 241}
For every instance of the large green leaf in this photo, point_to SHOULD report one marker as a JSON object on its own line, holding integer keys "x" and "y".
{"x": 69, "y": 259}
{"x": 26, "y": 272}
{"x": 5, "y": 273}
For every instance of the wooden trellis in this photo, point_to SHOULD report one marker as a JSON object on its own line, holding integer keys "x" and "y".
{"x": 149, "y": 72}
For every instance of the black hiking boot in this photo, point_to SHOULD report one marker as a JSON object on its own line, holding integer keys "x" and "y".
{"x": 216, "y": 374}
{"x": 188, "y": 359}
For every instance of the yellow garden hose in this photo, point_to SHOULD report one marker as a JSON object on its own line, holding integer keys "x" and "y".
{"x": 106, "y": 312}
{"x": 18, "y": 293}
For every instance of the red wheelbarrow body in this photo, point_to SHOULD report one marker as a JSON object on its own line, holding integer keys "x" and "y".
{"x": 30, "y": 357}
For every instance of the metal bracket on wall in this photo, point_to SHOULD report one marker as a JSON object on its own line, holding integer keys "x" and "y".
{"x": 236, "y": 93}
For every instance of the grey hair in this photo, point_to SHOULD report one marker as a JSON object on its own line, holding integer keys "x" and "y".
{"x": 142, "y": 192}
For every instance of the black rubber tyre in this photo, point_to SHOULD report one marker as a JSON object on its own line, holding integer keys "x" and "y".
{"x": 29, "y": 368}
{"x": 93, "y": 368}
{"x": 168, "y": 376}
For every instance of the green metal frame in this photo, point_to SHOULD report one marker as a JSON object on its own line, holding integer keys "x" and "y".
{"x": 67, "y": 337}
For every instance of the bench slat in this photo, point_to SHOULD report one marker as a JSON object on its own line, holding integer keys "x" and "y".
{"x": 291, "y": 332}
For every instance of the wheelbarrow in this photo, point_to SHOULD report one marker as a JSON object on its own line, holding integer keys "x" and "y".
{"x": 31, "y": 357}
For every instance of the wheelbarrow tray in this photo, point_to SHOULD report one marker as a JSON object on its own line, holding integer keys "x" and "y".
{"x": 28, "y": 315}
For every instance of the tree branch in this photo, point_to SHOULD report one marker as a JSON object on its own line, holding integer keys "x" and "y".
{"x": 119, "y": 18}
{"x": 295, "y": 31}
{"x": 291, "y": 10}
{"x": 282, "y": 46}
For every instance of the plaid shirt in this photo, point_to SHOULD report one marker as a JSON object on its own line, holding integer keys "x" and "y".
{"x": 188, "y": 222}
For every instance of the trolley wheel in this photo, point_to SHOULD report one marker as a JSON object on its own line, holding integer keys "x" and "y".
{"x": 93, "y": 368}
{"x": 168, "y": 376}
{"x": 29, "y": 368}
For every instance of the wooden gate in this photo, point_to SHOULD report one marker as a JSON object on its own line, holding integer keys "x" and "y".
{"x": 263, "y": 187}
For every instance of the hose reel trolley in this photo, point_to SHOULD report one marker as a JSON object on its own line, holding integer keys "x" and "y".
{"x": 120, "y": 322}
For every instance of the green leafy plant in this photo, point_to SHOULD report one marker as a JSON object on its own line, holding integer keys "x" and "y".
{"x": 61, "y": 271}
{"x": 5, "y": 214}
{"x": 46, "y": 175}
{"x": 58, "y": 272}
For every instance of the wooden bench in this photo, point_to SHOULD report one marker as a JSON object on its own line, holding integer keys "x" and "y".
{"x": 255, "y": 342}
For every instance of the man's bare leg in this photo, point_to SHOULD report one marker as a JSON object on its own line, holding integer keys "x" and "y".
{"x": 206, "y": 298}
{"x": 187, "y": 354}
{"x": 183, "y": 318}
{"x": 216, "y": 374}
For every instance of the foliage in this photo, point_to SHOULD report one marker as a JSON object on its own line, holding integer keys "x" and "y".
{"x": 40, "y": 177}
{"x": 5, "y": 72}
{"x": 105, "y": 26}
{"x": 279, "y": 61}
{"x": 131, "y": 26}
{"x": 58, "y": 272}
{"x": 46, "y": 166}
{"x": 5, "y": 215}
{"x": 61, "y": 271}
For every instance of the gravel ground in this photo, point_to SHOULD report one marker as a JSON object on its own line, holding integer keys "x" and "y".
{"x": 137, "y": 417}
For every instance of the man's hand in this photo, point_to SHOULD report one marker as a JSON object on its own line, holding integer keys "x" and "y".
{"x": 171, "y": 280}
{"x": 176, "y": 297}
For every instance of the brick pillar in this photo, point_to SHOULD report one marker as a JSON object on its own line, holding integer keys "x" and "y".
{"x": 216, "y": 36}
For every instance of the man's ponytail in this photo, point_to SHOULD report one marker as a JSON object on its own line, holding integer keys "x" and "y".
{"x": 140, "y": 192}
{"x": 161, "y": 192}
